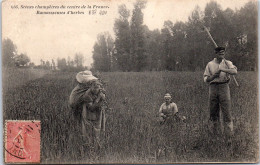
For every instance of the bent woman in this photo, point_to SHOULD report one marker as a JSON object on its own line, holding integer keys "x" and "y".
{"x": 93, "y": 116}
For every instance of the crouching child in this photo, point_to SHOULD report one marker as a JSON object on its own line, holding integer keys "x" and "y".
{"x": 169, "y": 110}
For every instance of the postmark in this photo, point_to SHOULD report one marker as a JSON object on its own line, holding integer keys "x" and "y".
{"x": 22, "y": 141}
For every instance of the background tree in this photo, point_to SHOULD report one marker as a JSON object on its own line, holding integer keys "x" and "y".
{"x": 152, "y": 49}
{"x": 179, "y": 41}
{"x": 103, "y": 52}
{"x": 21, "y": 60}
{"x": 31, "y": 65}
{"x": 167, "y": 44}
{"x": 246, "y": 45}
{"x": 78, "y": 60}
{"x": 47, "y": 65}
{"x": 53, "y": 66}
{"x": 61, "y": 63}
{"x": 41, "y": 62}
{"x": 122, "y": 39}
{"x": 70, "y": 62}
{"x": 137, "y": 51}
{"x": 196, "y": 57}
{"x": 9, "y": 52}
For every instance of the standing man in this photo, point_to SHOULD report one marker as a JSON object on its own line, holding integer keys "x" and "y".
{"x": 217, "y": 74}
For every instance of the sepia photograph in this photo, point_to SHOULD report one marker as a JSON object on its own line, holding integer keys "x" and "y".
{"x": 130, "y": 81}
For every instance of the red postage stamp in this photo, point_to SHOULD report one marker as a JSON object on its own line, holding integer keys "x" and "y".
{"x": 22, "y": 141}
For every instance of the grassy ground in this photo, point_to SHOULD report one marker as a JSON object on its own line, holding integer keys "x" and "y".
{"x": 133, "y": 134}
{"x": 14, "y": 77}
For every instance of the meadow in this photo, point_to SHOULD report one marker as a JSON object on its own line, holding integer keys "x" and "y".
{"x": 13, "y": 77}
{"x": 133, "y": 134}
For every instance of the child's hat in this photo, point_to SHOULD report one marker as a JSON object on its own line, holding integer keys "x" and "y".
{"x": 167, "y": 95}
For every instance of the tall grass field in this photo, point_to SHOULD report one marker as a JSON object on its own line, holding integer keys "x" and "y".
{"x": 133, "y": 133}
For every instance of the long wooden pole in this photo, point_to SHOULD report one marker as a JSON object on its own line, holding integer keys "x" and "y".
{"x": 215, "y": 44}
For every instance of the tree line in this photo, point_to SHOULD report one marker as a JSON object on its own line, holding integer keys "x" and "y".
{"x": 179, "y": 46}
{"x": 10, "y": 58}
{"x": 71, "y": 64}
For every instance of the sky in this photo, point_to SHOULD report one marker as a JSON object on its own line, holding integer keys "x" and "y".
{"x": 46, "y": 36}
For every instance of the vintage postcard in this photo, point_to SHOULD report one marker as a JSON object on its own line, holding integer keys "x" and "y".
{"x": 130, "y": 81}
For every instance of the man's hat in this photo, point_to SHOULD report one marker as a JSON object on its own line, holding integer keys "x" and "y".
{"x": 219, "y": 48}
